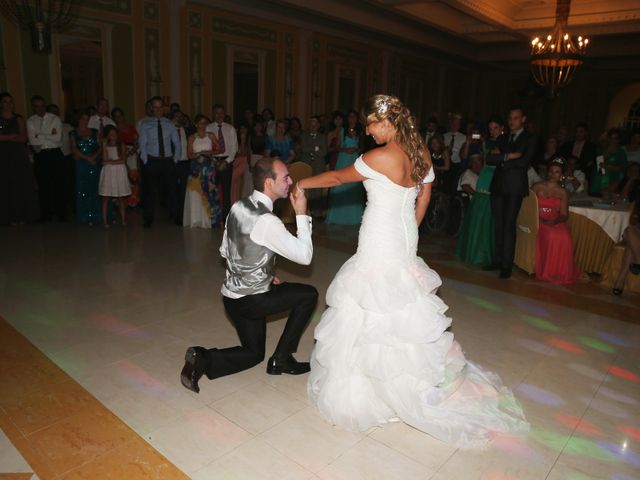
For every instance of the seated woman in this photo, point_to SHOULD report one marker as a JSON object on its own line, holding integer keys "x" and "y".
{"x": 575, "y": 181}
{"x": 554, "y": 249}
{"x": 631, "y": 258}
{"x": 611, "y": 166}
{"x": 476, "y": 243}
{"x": 629, "y": 188}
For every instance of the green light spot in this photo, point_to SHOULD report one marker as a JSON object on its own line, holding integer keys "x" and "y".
{"x": 597, "y": 344}
{"x": 580, "y": 446}
{"x": 540, "y": 323}
{"x": 548, "y": 438}
{"x": 484, "y": 304}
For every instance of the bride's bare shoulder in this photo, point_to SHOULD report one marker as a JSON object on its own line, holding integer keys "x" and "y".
{"x": 380, "y": 159}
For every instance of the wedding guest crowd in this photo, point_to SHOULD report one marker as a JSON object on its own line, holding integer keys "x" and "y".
{"x": 200, "y": 169}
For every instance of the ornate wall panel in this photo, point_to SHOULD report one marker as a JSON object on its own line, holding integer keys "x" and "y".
{"x": 152, "y": 62}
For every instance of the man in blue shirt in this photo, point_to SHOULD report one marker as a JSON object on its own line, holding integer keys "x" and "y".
{"x": 159, "y": 152}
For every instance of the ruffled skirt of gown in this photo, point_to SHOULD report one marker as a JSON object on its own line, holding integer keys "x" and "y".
{"x": 383, "y": 354}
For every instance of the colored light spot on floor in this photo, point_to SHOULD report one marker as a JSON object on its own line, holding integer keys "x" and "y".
{"x": 616, "y": 340}
{"x": 597, "y": 344}
{"x": 630, "y": 431}
{"x": 540, "y": 323}
{"x": 580, "y": 425}
{"x": 483, "y": 303}
{"x": 549, "y": 438}
{"x": 623, "y": 373}
{"x": 564, "y": 345}
{"x": 622, "y": 452}
{"x": 587, "y": 448}
{"x": 540, "y": 395}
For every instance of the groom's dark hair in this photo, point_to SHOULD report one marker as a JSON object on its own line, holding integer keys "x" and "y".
{"x": 262, "y": 170}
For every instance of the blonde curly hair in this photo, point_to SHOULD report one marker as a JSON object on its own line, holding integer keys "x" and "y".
{"x": 379, "y": 107}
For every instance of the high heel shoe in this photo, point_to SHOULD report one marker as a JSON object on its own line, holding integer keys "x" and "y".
{"x": 617, "y": 291}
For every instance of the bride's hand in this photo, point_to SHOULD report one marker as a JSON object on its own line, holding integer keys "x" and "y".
{"x": 298, "y": 201}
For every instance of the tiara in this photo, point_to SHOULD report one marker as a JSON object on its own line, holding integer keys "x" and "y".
{"x": 383, "y": 105}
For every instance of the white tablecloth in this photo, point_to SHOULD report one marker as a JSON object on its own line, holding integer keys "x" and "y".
{"x": 612, "y": 220}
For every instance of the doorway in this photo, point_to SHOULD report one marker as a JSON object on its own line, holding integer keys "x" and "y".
{"x": 245, "y": 89}
{"x": 81, "y": 74}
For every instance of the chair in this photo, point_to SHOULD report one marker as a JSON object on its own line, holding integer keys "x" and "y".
{"x": 526, "y": 233}
{"x": 297, "y": 171}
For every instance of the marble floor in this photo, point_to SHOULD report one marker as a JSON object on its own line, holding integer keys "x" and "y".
{"x": 95, "y": 325}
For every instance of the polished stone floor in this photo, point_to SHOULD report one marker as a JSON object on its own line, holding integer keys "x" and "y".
{"x": 113, "y": 311}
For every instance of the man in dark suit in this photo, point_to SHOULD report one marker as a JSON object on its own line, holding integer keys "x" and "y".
{"x": 582, "y": 148}
{"x": 512, "y": 157}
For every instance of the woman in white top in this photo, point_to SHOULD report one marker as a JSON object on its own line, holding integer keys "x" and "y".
{"x": 114, "y": 180}
{"x": 202, "y": 203}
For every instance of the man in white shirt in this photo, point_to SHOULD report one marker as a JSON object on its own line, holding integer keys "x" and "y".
{"x": 251, "y": 291}
{"x": 227, "y": 149}
{"x": 101, "y": 118}
{"x": 45, "y": 137}
{"x": 454, "y": 139}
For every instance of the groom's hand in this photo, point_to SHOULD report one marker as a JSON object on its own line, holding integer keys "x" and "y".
{"x": 298, "y": 202}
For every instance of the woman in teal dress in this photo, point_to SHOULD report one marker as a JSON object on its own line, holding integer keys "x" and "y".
{"x": 85, "y": 148}
{"x": 476, "y": 243}
{"x": 346, "y": 202}
{"x": 611, "y": 166}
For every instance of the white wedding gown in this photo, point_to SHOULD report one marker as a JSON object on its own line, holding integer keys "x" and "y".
{"x": 382, "y": 353}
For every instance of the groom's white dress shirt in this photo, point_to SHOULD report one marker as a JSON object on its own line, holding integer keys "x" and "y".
{"x": 270, "y": 232}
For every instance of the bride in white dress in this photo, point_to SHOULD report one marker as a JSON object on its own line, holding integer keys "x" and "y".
{"x": 382, "y": 351}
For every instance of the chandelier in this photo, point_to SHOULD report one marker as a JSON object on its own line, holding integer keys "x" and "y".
{"x": 40, "y": 18}
{"x": 556, "y": 57}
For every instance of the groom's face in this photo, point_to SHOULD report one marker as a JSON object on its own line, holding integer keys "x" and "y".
{"x": 282, "y": 181}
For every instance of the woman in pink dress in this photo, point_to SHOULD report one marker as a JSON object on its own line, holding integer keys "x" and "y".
{"x": 554, "y": 249}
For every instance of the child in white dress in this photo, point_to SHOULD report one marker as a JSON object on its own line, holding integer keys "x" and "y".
{"x": 114, "y": 181}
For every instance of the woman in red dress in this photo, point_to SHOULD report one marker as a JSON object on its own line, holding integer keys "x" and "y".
{"x": 554, "y": 249}
{"x": 129, "y": 137}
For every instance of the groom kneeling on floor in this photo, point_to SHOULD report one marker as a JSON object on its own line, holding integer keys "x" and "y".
{"x": 251, "y": 291}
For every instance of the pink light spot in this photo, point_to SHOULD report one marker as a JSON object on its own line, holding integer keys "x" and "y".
{"x": 564, "y": 345}
{"x": 630, "y": 431}
{"x": 622, "y": 373}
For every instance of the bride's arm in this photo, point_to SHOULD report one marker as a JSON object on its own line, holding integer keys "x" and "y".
{"x": 332, "y": 178}
{"x": 422, "y": 202}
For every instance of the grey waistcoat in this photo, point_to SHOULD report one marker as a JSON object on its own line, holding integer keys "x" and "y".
{"x": 250, "y": 267}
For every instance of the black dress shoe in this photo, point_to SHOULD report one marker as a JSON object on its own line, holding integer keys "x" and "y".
{"x": 505, "y": 273}
{"x": 289, "y": 365}
{"x": 635, "y": 268}
{"x": 491, "y": 267}
{"x": 192, "y": 370}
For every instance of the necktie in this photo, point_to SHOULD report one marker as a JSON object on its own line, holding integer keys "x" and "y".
{"x": 221, "y": 145}
{"x": 453, "y": 140}
{"x": 101, "y": 128}
{"x": 160, "y": 140}
{"x": 512, "y": 138}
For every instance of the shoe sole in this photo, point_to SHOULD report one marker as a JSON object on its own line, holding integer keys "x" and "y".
{"x": 190, "y": 358}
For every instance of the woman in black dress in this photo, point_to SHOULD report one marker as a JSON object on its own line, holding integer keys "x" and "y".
{"x": 17, "y": 185}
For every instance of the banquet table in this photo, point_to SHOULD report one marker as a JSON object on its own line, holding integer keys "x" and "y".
{"x": 596, "y": 226}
